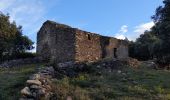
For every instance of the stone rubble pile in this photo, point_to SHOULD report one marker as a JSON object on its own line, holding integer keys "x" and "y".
{"x": 133, "y": 62}
{"x": 38, "y": 86}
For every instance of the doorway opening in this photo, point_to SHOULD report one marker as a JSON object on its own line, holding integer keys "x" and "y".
{"x": 89, "y": 37}
{"x": 115, "y": 52}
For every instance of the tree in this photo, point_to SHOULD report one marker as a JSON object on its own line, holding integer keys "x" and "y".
{"x": 155, "y": 43}
{"x": 12, "y": 42}
{"x": 143, "y": 48}
{"x": 162, "y": 31}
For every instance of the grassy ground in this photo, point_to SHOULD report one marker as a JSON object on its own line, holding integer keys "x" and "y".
{"x": 119, "y": 84}
{"x": 99, "y": 83}
{"x": 13, "y": 80}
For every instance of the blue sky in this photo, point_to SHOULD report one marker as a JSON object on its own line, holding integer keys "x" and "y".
{"x": 118, "y": 18}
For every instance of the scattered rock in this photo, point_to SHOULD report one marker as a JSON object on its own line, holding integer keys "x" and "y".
{"x": 48, "y": 96}
{"x": 48, "y": 87}
{"x": 124, "y": 80}
{"x": 26, "y": 92}
{"x": 26, "y": 99}
{"x": 124, "y": 74}
{"x": 135, "y": 82}
{"x": 34, "y": 94}
{"x": 150, "y": 64}
{"x": 119, "y": 71}
{"x": 132, "y": 62}
{"x": 35, "y": 77}
{"x": 34, "y": 87}
{"x": 41, "y": 92}
{"x": 65, "y": 64}
{"x": 69, "y": 98}
{"x": 33, "y": 82}
{"x": 98, "y": 66}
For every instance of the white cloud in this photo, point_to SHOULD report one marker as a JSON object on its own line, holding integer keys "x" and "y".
{"x": 4, "y": 4}
{"x": 28, "y": 13}
{"x": 121, "y": 32}
{"x": 123, "y": 29}
{"x": 120, "y": 37}
{"x": 140, "y": 29}
{"x": 136, "y": 31}
{"x": 143, "y": 27}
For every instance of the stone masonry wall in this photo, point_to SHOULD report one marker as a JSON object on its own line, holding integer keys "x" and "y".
{"x": 108, "y": 46}
{"x": 45, "y": 41}
{"x": 55, "y": 42}
{"x": 87, "y": 46}
{"x": 64, "y": 45}
{"x": 93, "y": 47}
{"x": 60, "y": 43}
{"x": 123, "y": 51}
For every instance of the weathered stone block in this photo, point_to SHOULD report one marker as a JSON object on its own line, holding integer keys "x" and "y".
{"x": 26, "y": 92}
{"x": 33, "y": 82}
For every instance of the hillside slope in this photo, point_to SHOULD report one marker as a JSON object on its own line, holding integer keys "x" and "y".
{"x": 114, "y": 81}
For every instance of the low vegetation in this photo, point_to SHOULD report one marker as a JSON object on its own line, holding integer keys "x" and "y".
{"x": 115, "y": 84}
{"x": 95, "y": 82}
{"x": 13, "y": 80}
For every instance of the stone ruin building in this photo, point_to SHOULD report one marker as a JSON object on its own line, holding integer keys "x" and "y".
{"x": 60, "y": 43}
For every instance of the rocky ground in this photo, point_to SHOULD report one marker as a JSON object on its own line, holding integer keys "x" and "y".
{"x": 104, "y": 80}
{"x": 111, "y": 79}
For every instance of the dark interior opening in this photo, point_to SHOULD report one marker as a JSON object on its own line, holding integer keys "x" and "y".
{"x": 89, "y": 38}
{"x": 115, "y": 52}
{"x": 104, "y": 42}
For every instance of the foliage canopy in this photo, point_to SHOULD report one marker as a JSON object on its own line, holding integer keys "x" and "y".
{"x": 12, "y": 41}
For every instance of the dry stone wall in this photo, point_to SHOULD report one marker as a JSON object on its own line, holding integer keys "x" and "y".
{"x": 87, "y": 46}
{"x": 38, "y": 86}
